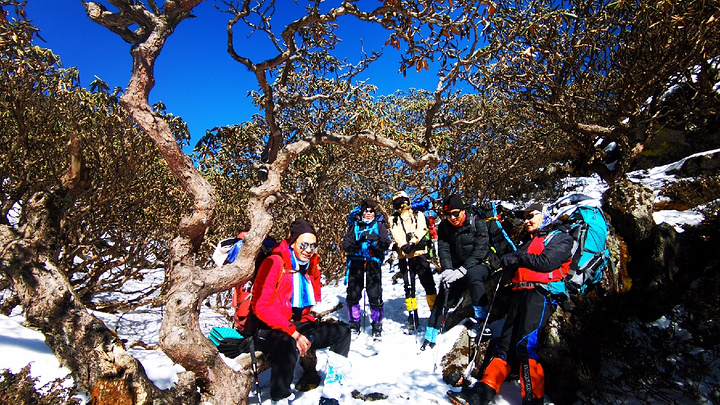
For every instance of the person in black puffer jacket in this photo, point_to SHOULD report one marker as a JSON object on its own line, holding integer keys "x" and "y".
{"x": 463, "y": 247}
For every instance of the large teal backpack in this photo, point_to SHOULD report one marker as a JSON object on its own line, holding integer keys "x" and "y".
{"x": 590, "y": 256}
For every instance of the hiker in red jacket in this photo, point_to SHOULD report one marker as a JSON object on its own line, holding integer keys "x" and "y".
{"x": 286, "y": 287}
{"x": 543, "y": 260}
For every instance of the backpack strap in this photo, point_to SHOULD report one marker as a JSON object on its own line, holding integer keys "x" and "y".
{"x": 472, "y": 223}
{"x": 498, "y": 218}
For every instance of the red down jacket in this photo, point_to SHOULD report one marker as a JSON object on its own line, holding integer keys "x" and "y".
{"x": 272, "y": 290}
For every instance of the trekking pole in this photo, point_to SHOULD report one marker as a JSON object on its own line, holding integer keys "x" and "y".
{"x": 411, "y": 292}
{"x": 445, "y": 309}
{"x": 471, "y": 360}
{"x": 364, "y": 295}
{"x": 416, "y": 322}
{"x": 253, "y": 362}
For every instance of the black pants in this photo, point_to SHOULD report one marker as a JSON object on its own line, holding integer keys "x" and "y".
{"x": 420, "y": 266}
{"x": 474, "y": 281}
{"x": 284, "y": 354}
{"x": 527, "y": 316}
{"x": 360, "y": 272}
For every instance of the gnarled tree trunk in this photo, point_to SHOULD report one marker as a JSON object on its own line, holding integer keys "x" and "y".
{"x": 94, "y": 354}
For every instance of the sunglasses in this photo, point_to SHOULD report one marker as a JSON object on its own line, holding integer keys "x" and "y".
{"x": 453, "y": 214}
{"x": 369, "y": 211}
{"x": 306, "y": 246}
{"x": 529, "y": 216}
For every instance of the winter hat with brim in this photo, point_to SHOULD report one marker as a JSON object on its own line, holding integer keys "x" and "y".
{"x": 453, "y": 202}
{"x": 399, "y": 198}
{"x": 530, "y": 208}
{"x": 299, "y": 227}
{"x": 400, "y": 195}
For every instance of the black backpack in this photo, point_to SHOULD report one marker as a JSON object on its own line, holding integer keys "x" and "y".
{"x": 500, "y": 242}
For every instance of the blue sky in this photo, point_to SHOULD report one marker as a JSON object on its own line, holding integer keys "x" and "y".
{"x": 195, "y": 77}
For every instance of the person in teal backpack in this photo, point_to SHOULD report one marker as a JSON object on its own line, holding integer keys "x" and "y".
{"x": 365, "y": 244}
{"x": 536, "y": 268}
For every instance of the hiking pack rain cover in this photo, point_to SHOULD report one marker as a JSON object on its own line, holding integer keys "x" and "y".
{"x": 589, "y": 229}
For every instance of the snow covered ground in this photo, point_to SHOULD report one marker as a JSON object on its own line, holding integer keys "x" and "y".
{"x": 394, "y": 367}
{"x": 398, "y": 370}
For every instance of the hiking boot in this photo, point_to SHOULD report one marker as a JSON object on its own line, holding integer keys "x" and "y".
{"x": 479, "y": 394}
{"x": 411, "y": 322}
{"x": 354, "y": 329}
{"x": 377, "y": 331}
{"x": 459, "y": 398}
{"x": 328, "y": 401}
{"x": 430, "y": 338}
{"x": 473, "y": 327}
{"x": 426, "y": 344}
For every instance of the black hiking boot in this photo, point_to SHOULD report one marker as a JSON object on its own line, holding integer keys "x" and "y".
{"x": 354, "y": 329}
{"x": 411, "y": 322}
{"x": 328, "y": 401}
{"x": 426, "y": 344}
{"x": 473, "y": 327}
{"x": 377, "y": 332}
{"x": 459, "y": 398}
{"x": 479, "y": 394}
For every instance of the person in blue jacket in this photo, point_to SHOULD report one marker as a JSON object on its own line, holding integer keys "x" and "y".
{"x": 365, "y": 244}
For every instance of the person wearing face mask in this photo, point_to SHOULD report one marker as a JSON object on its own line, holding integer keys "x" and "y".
{"x": 365, "y": 244}
{"x": 408, "y": 228}
{"x": 286, "y": 287}
{"x": 463, "y": 247}
{"x": 544, "y": 259}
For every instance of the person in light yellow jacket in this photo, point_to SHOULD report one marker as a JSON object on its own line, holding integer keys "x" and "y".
{"x": 409, "y": 230}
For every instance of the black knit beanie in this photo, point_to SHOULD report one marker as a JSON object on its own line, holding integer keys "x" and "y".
{"x": 299, "y": 227}
{"x": 367, "y": 203}
{"x": 453, "y": 202}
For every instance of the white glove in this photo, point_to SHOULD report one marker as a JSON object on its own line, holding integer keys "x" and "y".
{"x": 450, "y": 276}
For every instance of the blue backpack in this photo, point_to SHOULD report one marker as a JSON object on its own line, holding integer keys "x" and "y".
{"x": 590, "y": 256}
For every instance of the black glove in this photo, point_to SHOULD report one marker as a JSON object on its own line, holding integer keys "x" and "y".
{"x": 506, "y": 276}
{"x": 363, "y": 237}
{"x": 373, "y": 237}
{"x": 509, "y": 261}
{"x": 234, "y": 347}
{"x": 494, "y": 261}
{"x": 509, "y": 266}
{"x": 407, "y": 248}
